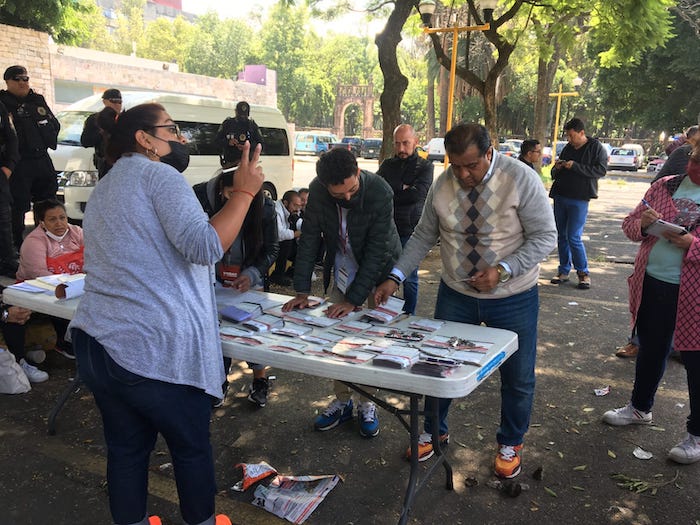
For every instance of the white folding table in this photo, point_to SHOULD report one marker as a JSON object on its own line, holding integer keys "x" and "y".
{"x": 463, "y": 381}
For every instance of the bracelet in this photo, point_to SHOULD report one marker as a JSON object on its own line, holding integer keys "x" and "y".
{"x": 252, "y": 196}
{"x": 394, "y": 278}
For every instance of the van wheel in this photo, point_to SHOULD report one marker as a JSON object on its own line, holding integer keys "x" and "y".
{"x": 269, "y": 190}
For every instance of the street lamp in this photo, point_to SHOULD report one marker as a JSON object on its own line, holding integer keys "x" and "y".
{"x": 576, "y": 82}
{"x": 426, "y": 8}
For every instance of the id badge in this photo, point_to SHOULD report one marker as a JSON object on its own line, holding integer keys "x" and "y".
{"x": 229, "y": 273}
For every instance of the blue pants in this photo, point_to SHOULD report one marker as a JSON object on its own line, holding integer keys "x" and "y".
{"x": 134, "y": 410}
{"x": 517, "y": 313}
{"x": 410, "y": 286}
{"x": 570, "y": 218}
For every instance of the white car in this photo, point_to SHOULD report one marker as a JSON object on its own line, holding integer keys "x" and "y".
{"x": 624, "y": 159}
{"x": 436, "y": 149}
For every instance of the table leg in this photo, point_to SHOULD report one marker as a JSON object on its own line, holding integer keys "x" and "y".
{"x": 412, "y": 487}
{"x": 73, "y": 386}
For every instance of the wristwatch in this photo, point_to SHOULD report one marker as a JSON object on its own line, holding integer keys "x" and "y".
{"x": 503, "y": 274}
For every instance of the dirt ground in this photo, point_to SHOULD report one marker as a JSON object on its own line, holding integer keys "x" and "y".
{"x": 61, "y": 479}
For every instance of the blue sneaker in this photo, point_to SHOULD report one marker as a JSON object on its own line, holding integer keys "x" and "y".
{"x": 367, "y": 417}
{"x": 334, "y": 414}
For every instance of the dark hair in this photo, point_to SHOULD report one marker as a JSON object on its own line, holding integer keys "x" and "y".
{"x": 336, "y": 165}
{"x": 289, "y": 194}
{"x": 464, "y": 135}
{"x": 121, "y": 132}
{"x": 252, "y": 228}
{"x": 527, "y": 146}
{"x": 303, "y": 190}
{"x": 575, "y": 124}
{"x": 41, "y": 207}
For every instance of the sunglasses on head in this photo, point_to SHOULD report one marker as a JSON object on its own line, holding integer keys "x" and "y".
{"x": 21, "y": 79}
{"x": 115, "y": 100}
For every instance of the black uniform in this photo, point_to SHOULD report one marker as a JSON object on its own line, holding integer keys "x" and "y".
{"x": 241, "y": 128}
{"x": 34, "y": 178}
{"x": 91, "y": 137}
{"x": 9, "y": 157}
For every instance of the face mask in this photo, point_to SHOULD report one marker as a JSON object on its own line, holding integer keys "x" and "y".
{"x": 694, "y": 171}
{"x": 56, "y": 237}
{"x": 179, "y": 156}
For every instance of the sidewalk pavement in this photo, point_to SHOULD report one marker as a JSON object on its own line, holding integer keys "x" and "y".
{"x": 61, "y": 477}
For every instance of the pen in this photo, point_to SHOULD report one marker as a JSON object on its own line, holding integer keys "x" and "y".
{"x": 646, "y": 203}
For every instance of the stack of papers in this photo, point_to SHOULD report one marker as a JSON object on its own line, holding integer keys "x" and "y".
{"x": 397, "y": 357}
{"x": 388, "y": 312}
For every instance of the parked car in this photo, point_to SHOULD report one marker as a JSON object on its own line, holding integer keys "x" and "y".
{"x": 639, "y": 150}
{"x": 370, "y": 148}
{"x": 436, "y": 149}
{"x": 515, "y": 142}
{"x": 546, "y": 155}
{"x": 624, "y": 159}
{"x": 311, "y": 143}
{"x": 508, "y": 149}
{"x": 421, "y": 152}
{"x": 655, "y": 165}
{"x": 355, "y": 144}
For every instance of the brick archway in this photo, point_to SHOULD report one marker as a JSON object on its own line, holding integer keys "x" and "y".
{"x": 347, "y": 95}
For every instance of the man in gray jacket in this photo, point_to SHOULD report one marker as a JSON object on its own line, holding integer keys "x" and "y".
{"x": 492, "y": 218}
{"x": 353, "y": 210}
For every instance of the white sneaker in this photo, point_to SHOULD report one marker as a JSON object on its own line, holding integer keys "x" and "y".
{"x": 35, "y": 356}
{"x": 33, "y": 373}
{"x": 627, "y": 415}
{"x": 687, "y": 451}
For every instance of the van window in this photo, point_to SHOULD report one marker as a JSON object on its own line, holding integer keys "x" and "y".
{"x": 71, "y": 126}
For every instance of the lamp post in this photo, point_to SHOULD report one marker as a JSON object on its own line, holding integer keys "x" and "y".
{"x": 426, "y": 8}
{"x": 576, "y": 82}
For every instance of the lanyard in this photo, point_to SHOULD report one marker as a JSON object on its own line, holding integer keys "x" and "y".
{"x": 342, "y": 232}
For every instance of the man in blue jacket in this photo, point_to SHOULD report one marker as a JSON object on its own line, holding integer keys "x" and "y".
{"x": 575, "y": 182}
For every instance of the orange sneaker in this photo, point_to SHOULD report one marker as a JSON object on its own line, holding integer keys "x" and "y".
{"x": 425, "y": 446}
{"x": 222, "y": 519}
{"x": 508, "y": 461}
{"x": 154, "y": 520}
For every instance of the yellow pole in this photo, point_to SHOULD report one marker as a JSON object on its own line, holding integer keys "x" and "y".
{"x": 453, "y": 75}
{"x": 556, "y": 124}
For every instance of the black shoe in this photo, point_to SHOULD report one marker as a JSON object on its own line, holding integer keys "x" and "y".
{"x": 258, "y": 391}
{"x": 65, "y": 349}
{"x": 281, "y": 280}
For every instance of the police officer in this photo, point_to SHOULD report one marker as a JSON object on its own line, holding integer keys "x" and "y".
{"x": 91, "y": 136}
{"x": 233, "y": 133}
{"x": 34, "y": 178}
{"x": 9, "y": 157}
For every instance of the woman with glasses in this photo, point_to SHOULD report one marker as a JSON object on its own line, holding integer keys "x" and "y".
{"x": 246, "y": 263}
{"x": 145, "y": 333}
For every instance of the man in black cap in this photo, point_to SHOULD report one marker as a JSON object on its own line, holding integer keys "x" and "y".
{"x": 92, "y": 133}
{"x": 9, "y": 157}
{"x": 233, "y": 133}
{"x": 34, "y": 178}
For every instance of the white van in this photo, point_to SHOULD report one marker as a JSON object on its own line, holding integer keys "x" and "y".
{"x": 436, "y": 149}
{"x": 199, "y": 119}
{"x": 639, "y": 153}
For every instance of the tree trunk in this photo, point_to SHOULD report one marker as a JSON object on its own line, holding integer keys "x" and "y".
{"x": 430, "y": 110}
{"x": 395, "y": 82}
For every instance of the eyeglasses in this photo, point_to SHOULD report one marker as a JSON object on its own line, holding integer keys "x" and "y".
{"x": 21, "y": 79}
{"x": 115, "y": 100}
{"x": 537, "y": 151}
{"x": 172, "y": 128}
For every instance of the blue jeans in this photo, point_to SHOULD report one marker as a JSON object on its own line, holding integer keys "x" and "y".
{"x": 570, "y": 217}
{"x": 134, "y": 410}
{"x": 517, "y": 313}
{"x": 410, "y": 286}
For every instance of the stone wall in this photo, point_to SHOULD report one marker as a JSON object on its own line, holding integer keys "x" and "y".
{"x": 47, "y": 63}
{"x": 28, "y": 48}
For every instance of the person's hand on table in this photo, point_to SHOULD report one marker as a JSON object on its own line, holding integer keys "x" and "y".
{"x": 300, "y": 301}
{"x": 484, "y": 280}
{"x": 241, "y": 283}
{"x": 682, "y": 241}
{"x": 384, "y": 291}
{"x": 338, "y": 310}
{"x": 249, "y": 176}
{"x": 18, "y": 315}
